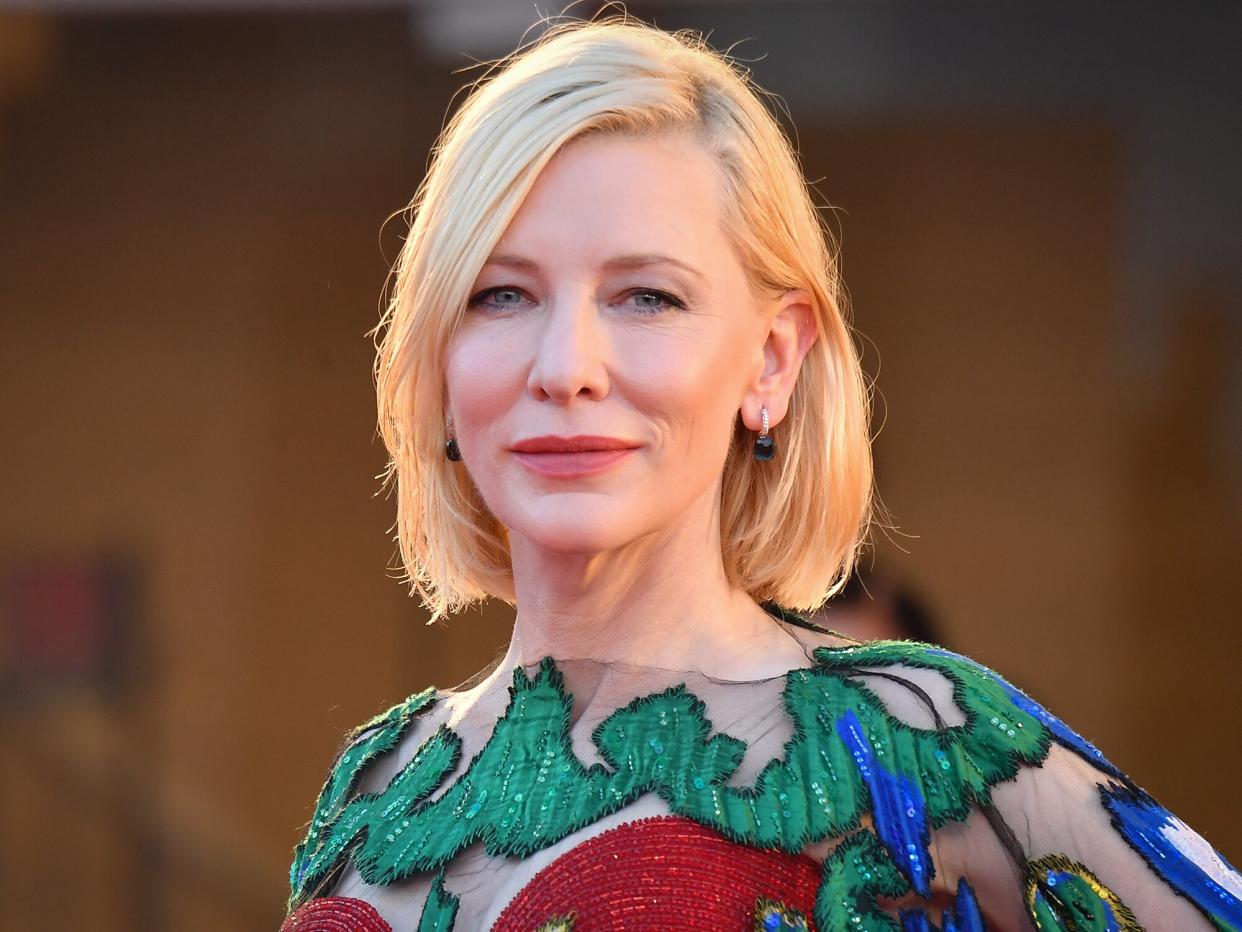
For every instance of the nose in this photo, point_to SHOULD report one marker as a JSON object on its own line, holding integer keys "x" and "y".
{"x": 571, "y": 352}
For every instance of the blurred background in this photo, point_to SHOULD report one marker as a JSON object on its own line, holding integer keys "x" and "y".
{"x": 1038, "y": 206}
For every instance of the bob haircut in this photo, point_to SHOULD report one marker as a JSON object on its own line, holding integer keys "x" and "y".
{"x": 789, "y": 534}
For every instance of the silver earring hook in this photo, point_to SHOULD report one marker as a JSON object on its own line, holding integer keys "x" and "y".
{"x": 763, "y": 416}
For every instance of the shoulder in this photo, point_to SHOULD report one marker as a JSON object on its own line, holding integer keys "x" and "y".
{"x": 1086, "y": 840}
{"x": 958, "y": 693}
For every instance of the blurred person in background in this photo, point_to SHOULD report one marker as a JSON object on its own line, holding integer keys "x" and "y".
{"x": 619, "y": 390}
{"x": 874, "y": 605}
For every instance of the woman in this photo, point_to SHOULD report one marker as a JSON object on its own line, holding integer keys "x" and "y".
{"x": 619, "y": 392}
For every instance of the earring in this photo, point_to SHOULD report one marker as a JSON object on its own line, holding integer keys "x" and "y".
{"x": 451, "y": 449}
{"x": 765, "y": 449}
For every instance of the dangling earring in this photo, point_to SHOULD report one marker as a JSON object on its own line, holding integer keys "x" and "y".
{"x": 451, "y": 450}
{"x": 765, "y": 449}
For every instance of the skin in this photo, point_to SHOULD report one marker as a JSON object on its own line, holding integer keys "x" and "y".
{"x": 624, "y": 565}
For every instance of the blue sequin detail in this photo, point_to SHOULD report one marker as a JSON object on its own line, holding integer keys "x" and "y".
{"x": 1065, "y": 735}
{"x": 1141, "y": 820}
{"x": 962, "y": 916}
{"x": 897, "y": 804}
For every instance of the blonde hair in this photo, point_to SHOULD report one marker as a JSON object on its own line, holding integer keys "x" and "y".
{"x": 790, "y": 534}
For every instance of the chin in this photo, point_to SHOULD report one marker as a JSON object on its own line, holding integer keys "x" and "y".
{"x": 576, "y": 524}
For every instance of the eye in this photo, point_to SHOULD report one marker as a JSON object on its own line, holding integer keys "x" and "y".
{"x": 650, "y": 301}
{"x": 500, "y": 298}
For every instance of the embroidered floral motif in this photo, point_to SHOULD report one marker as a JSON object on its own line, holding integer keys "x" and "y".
{"x": 848, "y": 757}
{"x": 526, "y": 789}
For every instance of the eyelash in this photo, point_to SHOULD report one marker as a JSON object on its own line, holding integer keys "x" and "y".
{"x": 664, "y": 296}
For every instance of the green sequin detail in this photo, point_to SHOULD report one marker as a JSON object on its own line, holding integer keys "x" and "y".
{"x": 856, "y": 872}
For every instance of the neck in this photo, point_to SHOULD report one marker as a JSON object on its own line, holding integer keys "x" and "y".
{"x": 662, "y": 600}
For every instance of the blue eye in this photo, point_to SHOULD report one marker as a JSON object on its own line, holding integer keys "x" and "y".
{"x": 500, "y": 290}
{"x": 487, "y": 299}
{"x": 663, "y": 301}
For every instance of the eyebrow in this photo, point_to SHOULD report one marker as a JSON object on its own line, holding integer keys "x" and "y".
{"x": 634, "y": 261}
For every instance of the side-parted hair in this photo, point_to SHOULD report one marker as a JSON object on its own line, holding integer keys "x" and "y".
{"x": 791, "y": 529}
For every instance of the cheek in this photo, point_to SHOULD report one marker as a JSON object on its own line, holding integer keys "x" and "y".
{"x": 693, "y": 383}
{"x": 481, "y": 376}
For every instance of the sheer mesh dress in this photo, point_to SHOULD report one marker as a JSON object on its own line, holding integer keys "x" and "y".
{"x": 888, "y": 785}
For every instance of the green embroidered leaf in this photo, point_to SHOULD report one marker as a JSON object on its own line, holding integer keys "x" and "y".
{"x": 996, "y": 739}
{"x": 522, "y": 791}
{"x": 854, "y": 874}
{"x": 440, "y": 910}
{"x": 377, "y": 820}
{"x": 364, "y": 743}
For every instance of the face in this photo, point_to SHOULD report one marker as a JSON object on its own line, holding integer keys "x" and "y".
{"x": 597, "y": 375}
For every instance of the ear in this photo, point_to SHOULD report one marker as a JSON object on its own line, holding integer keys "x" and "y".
{"x": 791, "y": 332}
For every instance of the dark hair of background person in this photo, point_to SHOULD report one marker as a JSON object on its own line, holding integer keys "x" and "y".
{"x": 876, "y": 605}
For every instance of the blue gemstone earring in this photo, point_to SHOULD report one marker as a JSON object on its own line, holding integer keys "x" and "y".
{"x": 765, "y": 449}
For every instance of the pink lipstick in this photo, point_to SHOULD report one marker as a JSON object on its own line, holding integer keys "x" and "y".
{"x": 571, "y": 457}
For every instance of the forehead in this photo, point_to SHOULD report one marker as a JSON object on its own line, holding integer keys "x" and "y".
{"x": 603, "y": 196}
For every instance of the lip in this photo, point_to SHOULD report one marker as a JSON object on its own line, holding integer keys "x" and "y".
{"x": 579, "y": 443}
{"x": 581, "y": 455}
